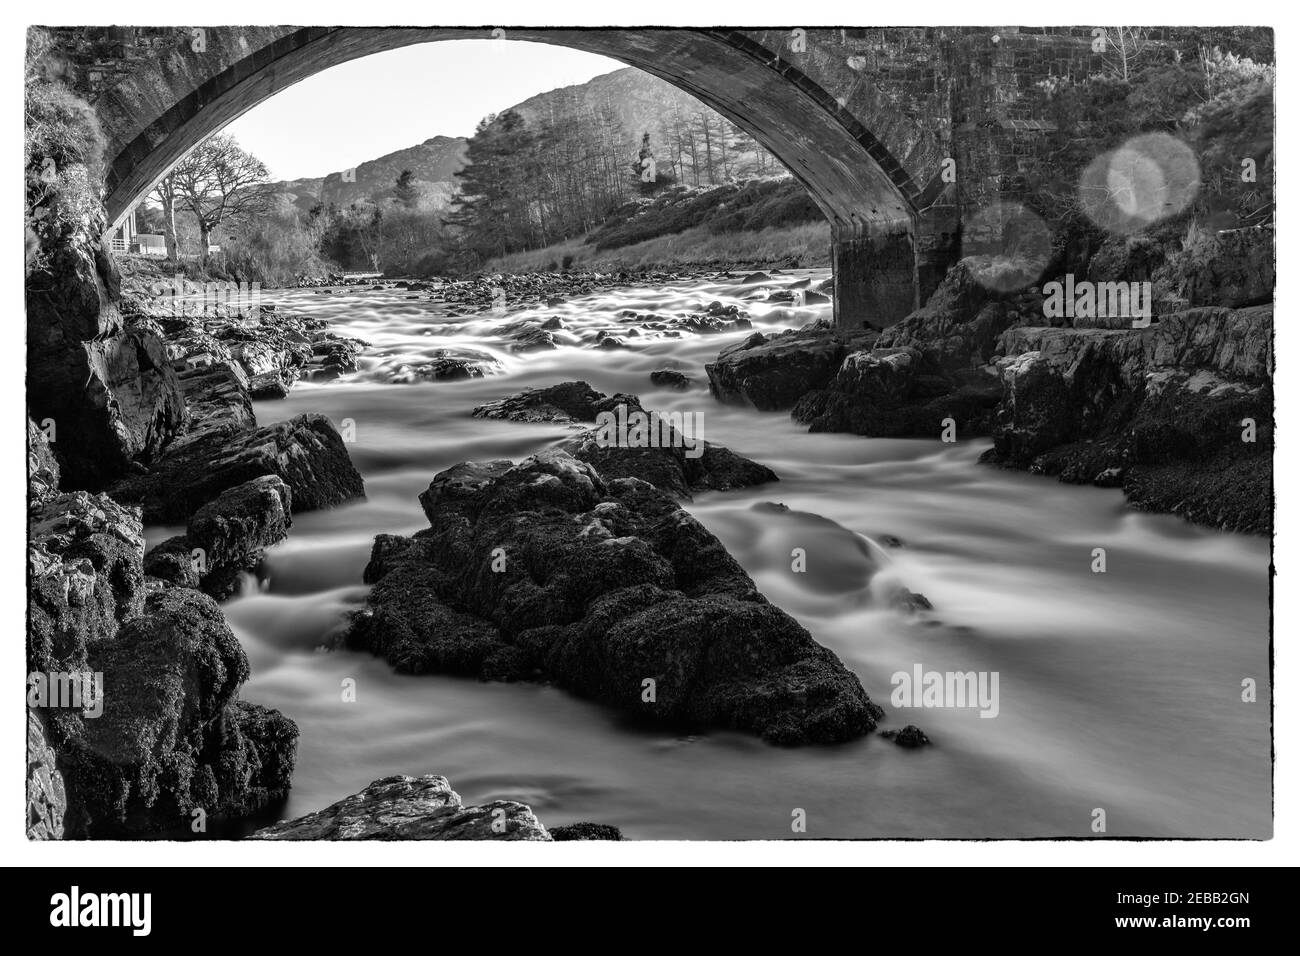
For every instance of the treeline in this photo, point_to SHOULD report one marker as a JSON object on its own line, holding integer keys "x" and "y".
{"x": 530, "y": 185}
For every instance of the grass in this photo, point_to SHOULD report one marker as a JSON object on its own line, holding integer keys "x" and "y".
{"x": 804, "y": 245}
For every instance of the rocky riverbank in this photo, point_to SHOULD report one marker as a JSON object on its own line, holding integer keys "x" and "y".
{"x": 141, "y": 410}
{"x": 1178, "y": 412}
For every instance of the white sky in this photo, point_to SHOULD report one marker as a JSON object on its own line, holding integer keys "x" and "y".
{"x": 374, "y": 105}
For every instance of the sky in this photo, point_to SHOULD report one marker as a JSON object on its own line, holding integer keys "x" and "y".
{"x": 374, "y": 105}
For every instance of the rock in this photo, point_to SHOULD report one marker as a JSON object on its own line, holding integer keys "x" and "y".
{"x": 667, "y": 465}
{"x": 410, "y": 808}
{"x": 173, "y": 561}
{"x": 84, "y": 577}
{"x": 109, "y": 390}
{"x": 42, "y": 466}
{"x": 1235, "y": 268}
{"x": 118, "y": 401}
{"x": 670, "y": 378}
{"x": 172, "y": 737}
{"x": 306, "y": 452}
{"x": 47, "y": 801}
{"x": 1158, "y": 411}
{"x": 910, "y": 737}
{"x": 909, "y": 602}
{"x": 958, "y": 327}
{"x": 606, "y": 584}
{"x": 270, "y": 386}
{"x": 447, "y": 365}
{"x": 567, "y": 402}
{"x": 771, "y": 374}
{"x": 533, "y": 340}
{"x": 755, "y": 278}
{"x": 586, "y": 831}
{"x": 882, "y": 394}
{"x": 225, "y": 537}
{"x": 218, "y": 399}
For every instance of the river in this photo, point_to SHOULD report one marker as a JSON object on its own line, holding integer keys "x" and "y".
{"x": 1118, "y": 690}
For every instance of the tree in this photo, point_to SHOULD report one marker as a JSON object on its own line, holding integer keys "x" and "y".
{"x": 1124, "y": 47}
{"x": 167, "y": 192}
{"x": 404, "y": 190}
{"x": 492, "y": 208}
{"x": 220, "y": 183}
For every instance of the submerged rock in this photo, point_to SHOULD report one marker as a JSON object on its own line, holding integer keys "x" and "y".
{"x": 548, "y": 570}
{"x": 670, "y": 378}
{"x": 909, "y": 737}
{"x": 410, "y": 808}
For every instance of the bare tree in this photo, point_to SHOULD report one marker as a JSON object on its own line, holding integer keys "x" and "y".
{"x": 1124, "y": 46}
{"x": 168, "y": 195}
{"x": 218, "y": 183}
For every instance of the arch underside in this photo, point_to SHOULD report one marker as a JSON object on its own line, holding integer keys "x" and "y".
{"x": 851, "y": 176}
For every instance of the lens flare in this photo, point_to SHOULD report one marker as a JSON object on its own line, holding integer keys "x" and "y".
{"x": 1149, "y": 178}
{"x": 1006, "y": 246}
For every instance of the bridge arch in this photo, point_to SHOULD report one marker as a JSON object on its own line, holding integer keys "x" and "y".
{"x": 154, "y": 115}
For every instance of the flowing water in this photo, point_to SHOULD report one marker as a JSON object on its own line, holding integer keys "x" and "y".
{"x": 1118, "y": 690}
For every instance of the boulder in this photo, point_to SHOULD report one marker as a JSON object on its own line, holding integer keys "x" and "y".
{"x": 306, "y": 452}
{"x": 668, "y": 464}
{"x": 567, "y": 402}
{"x": 226, "y": 537}
{"x": 772, "y": 373}
{"x": 172, "y": 737}
{"x": 548, "y": 570}
{"x": 410, "y": 808}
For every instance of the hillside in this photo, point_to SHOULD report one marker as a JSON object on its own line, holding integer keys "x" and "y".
{"x": 433, "y": 163}
{"x": 688, "y": 138}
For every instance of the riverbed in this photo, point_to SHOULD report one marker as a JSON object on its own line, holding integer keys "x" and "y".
{"x": 1118, "y": 690}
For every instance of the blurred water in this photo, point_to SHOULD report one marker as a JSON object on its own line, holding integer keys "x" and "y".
{"x": 1118, "y": 690}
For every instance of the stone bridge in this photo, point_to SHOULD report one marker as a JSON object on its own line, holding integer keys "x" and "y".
{"x": 897, "y": 133}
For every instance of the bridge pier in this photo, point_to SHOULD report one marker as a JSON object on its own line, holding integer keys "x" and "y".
{"x": 890, "y": 271}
